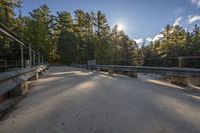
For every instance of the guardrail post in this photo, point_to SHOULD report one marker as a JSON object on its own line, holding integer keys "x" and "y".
{"x": 24, "y": 88}
{"x": 22, "y": 57}
{"x": 21, "y": 90}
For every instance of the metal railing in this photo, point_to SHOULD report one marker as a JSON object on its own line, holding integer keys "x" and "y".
{"x": 174, "y": 71}
{"x": 10, "y": 80}
{"x": 33, "y": 57}
{"x": 19, "y": 62}
{"x": 180, "y": 61}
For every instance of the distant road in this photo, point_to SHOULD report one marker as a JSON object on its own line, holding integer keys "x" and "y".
{"x": 72, "y": 100}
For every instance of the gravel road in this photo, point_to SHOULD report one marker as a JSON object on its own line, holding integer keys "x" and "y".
{"x": 73, "y": 100}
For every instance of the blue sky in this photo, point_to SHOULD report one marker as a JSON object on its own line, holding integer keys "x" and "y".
{"x": 141, "y": 18}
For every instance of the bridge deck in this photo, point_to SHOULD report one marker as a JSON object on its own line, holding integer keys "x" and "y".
{"x": 72, "y": 100}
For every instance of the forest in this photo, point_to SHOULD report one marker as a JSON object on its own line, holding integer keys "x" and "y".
{"x": 65, "y": 38}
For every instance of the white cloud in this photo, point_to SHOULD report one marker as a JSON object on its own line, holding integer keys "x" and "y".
{"x": 139, "y": 40}
{"x": 157, "y": 37}
{"x": 177, "y": 21}
{"x": 149, "y": 39}
{"x": 196, "y": 2}
{"x": 193, "y": 18}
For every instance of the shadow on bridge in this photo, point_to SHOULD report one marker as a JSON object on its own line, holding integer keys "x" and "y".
{"x": 84, "y": 101}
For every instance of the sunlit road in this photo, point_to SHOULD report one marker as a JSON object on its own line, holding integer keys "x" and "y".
{"x": 72, "y": 100}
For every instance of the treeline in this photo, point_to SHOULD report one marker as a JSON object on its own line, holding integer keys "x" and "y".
{"x": 64, "y": 39}
{"x": 176, "y": 42}
{"x": 87, "y": 36}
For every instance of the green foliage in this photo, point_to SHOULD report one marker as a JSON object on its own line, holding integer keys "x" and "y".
{"x": 66, "y": 40}
{"x": 176, "y": 42}
{"x": 7, "y": 13}
{"x": 67, "y": 47}
{"x": 88, "y": 36}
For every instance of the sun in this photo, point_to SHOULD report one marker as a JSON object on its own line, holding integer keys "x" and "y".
{"x": 120, "y": 27}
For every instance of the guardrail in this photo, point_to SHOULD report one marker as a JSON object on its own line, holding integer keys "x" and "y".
{"x": 33, "y": 58}
{"x": 178, "y": 75}
{"x": 11, "y": 80}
